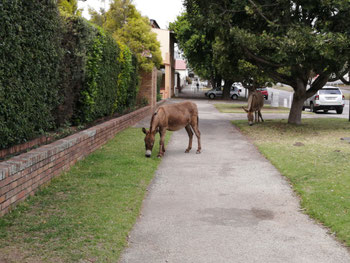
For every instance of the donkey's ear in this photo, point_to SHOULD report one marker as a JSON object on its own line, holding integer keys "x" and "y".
{"x": 144, "y": 130}
{"x": 245, "y": 109}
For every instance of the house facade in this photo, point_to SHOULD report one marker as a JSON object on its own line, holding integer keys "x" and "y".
{"x": 167, "y": 41}
{"x": 181, "y": 71}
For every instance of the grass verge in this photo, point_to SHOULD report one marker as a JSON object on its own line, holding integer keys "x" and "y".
{"x": 86, "y": 214}
{"x": 237, "y": 108}
{"x": 346, "y": 96}
{"x": 316, "y": 161}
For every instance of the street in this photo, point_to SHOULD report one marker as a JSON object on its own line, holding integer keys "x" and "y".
{"x": 227, "y": 204}
{"x": 191, "y": 91}
{"x": 287, "y": 95}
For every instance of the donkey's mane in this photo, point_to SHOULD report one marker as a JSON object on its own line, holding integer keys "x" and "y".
{"x": 250, "y": 101}
{"x": 152, "y": 119}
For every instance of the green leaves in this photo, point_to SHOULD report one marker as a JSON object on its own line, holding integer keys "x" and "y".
{"x": 30, "y": 59}
{"x": 196, "y": 41}
{"x": 111, "y": 78}
{"x": 307, "y": 36}
{"x": 69, "y": 7}
{"x": 287, "y": 41}
{"x": 128, "y": 27}
{"x": 54, "y": 71}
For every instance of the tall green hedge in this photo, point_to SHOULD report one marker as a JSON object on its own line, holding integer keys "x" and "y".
{"x": 55, "y": 71}
{"x": 127, "y": 80}
{"x": 30, "y": 62}
{"x": 77, "y": 37}
{"x": 99, "y": 93}
{"x": 110, "y": 77}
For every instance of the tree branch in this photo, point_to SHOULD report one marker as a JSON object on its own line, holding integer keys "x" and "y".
{"x": 341, "y": 76}
{"x": 260, "y": 59}
{"x": 318, "y": 84}
{"x": 263, "y": 63}
{"x": 260, "y": 12}
{"x": 344, "y": 80}
{"x": 282, "y": 78}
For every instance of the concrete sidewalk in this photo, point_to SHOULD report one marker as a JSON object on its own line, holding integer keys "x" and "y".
{"x": 228, "y": 204}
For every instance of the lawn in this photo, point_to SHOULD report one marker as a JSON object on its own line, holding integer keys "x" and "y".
{"x": 316, "y": 161}
{"x": 346, "y": 95}
{"x": 84, "y": 215}
{"x": 237, "y": 108}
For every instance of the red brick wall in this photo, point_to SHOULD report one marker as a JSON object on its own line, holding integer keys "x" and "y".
{"x": 22, "y": 175}
{"x": 148, "y": 87}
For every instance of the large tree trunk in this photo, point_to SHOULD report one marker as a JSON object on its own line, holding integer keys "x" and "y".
{"x": 297, "y": 105}
{"x": 218, "y": 82}
{"x": 296, "y": 110}
{"x": 212, "y": 83}
{"x": 227, "y": 89}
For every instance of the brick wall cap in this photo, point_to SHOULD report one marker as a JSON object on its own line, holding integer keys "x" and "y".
{"x": 13, "y": 166}
{"x": 90, "y": 132}
{"x": 4, "y": 170}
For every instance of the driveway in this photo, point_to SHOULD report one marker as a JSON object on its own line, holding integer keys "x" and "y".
{"x": 227, "y": 204}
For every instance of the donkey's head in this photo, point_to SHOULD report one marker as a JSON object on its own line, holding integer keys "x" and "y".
{"x": 250, "y": 116}
{"x": 149, "y": 141}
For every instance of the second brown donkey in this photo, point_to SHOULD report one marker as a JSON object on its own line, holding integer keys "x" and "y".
{"x": 173, "y": 117}
{"x": 255, "y": 104}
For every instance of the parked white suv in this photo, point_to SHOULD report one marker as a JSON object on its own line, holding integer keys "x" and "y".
{"x": 327, "y": 98}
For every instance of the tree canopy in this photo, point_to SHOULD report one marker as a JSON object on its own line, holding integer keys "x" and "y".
{"x": 197, "y": 44}
{"x": 289, "y": 41}
{"x": 130, "y": 28}
{"x": 210, "y": 56}
{"x": 69, "y": 7}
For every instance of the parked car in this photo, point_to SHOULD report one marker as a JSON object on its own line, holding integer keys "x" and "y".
{"x": 264, "y": 92}
{"x": 327, "y": 98}
{"x": 238, "y": 85}
{"x": 213, "y": 93}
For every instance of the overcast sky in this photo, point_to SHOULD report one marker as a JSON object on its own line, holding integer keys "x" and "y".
{"x": 163, "y": 11}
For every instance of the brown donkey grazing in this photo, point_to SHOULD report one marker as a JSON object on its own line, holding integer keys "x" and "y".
{"x": 255, "y": 104}
{"x": 173, "y": 117}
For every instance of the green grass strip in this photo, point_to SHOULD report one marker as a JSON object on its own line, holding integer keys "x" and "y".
{"x": 237, "y": 108}
{"x": 317, "y": 163}
{"x": 86, "y": 214}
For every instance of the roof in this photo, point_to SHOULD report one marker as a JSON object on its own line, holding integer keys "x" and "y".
{"x": 154, "y": 23}
{"x": 180, "y": 64}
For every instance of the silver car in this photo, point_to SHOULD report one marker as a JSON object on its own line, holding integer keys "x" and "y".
{"x": 213, "y": 93}
{"x": 327, "y": 98}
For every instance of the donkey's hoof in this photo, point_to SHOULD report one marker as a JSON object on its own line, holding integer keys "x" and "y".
{"x": 187, "y": 151}
{"x": 198, "y": 151}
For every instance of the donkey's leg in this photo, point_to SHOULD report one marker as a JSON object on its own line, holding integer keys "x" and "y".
{"x": 163, "y": 148}
{"x": 256, "y": 116}
{"x": 190, "y": 136}
{"x": 163, "y": 145}
{"x": 261, "y": 116}
{"x": 161, "y": 142}
{"x": 194, "y": 125}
